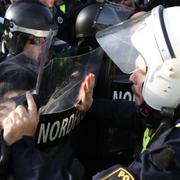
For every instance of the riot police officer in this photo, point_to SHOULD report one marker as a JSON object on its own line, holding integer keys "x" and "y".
{"x": 23, "y": 42}
{"x": 155, "y": 75}
{"x": 19, "y": 35}
{"x": 17, "y": 30}
{"x": 90, "y": 20}
{"x": 95, "y": 17}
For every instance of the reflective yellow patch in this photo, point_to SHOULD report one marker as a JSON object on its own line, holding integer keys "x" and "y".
{"x": 62, "y": 7}
{"x": 121, "y": 174}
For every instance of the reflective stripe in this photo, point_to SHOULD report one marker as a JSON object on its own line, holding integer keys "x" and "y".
{"x": 62, "y": 7}
{"x": 38, "y": 33}
{"x": 146, "y": 138}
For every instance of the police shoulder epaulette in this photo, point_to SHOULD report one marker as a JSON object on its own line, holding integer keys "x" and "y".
{"x": 120, "y": 173}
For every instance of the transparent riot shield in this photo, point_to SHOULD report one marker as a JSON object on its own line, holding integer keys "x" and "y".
{"x": 59, "y": 91}
{"x": 55, "y": 85}
{"x": 18, "y": 74}
{"x": 62, "y": 80}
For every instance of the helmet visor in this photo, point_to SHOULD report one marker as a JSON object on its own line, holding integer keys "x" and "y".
{"x": 122, "y": 11}
{"x": 122, "y": 42}
{"x": 111, "y": 13}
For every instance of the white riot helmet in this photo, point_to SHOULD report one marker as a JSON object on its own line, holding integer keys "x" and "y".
{"x": 155, "y": 37}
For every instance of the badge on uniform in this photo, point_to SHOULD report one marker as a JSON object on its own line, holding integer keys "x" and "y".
{"x": 59, "y": 19}
{"x": 119, "y": 174}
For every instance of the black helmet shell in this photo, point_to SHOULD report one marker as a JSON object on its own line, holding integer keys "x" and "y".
{"x": 95, "y": 17}
{"x": 31, "y": 15}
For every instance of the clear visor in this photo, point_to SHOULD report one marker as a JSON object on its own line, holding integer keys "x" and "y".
{"x": 124, "y": 43}
{"x": 122, "y": 10}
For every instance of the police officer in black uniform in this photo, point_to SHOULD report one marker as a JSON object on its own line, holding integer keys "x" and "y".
{"x": 14, "y": 37}
{"x": 19, "y": 35}
{"x": 155, "y": 66}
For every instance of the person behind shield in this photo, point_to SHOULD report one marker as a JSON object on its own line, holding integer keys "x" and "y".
{"x": 15, "y": 122}
{"x": 18, "y": 126}
{"x": 19, "y": 73}
{"x": 20, "y": 35}
{"x": 24, "y": 31}
{"x": 147, "y": 47}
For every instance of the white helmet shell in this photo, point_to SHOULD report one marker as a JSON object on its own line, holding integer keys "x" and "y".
{"x": 154, "y": 36}
{"x": 162, "y": 84}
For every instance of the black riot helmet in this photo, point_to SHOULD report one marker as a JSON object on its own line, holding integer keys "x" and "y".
{"x": 26, "y": 20}
{"x": 95, "y": 17}
{"x": 99, "y": 16}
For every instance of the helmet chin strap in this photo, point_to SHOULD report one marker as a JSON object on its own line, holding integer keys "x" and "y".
{"x": 166, "y": 114}
{"x": 145, "y": 109}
